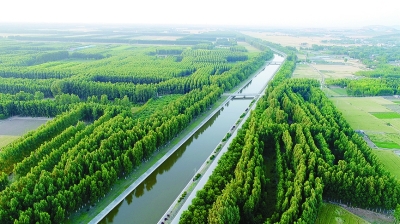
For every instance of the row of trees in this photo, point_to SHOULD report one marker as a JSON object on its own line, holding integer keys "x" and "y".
{"x": 26, "y": 104}
{"x": 60, "y": 55}
{"x": 382, "y": 71}
{"x": 145, "y": 81}
{"x": 73, "y": 160}
{"x": 78, "y": 165}
{"x": 295, "y": 149}
{"x": 21, "y": 72}
{"x": 368, "y": 86}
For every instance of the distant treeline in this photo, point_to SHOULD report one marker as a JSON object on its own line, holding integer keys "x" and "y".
{"x": 107, "y": 40}
{"x": 368, "y": 86}
{"x": 371, "y": 56}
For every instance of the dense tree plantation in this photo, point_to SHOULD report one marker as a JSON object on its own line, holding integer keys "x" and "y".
{"x": 293, "y": 152}
{"x": 368, "y": 86}
{"x": 114, "y": 106}
{"x": 126, "y": 70}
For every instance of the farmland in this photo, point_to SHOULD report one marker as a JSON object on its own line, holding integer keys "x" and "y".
{"x": 336, "y": 71}
{"x": 334, "y": 91}
{"x": 329, "y": 71}
{"x": 306, "y": 71}
{"x": 390, "y": 160}
{"x": 363, "y": 113}
{"x": 380, "y": 124}
{"x": 386, "y": 115}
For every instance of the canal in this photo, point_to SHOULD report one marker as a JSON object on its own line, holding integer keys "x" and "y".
{"x": 149, "y": 201}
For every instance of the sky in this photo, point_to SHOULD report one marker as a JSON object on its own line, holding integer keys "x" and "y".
{"x": 279, "y": 13}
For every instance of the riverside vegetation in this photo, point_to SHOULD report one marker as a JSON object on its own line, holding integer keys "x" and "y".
{"x": 101, "y": 132}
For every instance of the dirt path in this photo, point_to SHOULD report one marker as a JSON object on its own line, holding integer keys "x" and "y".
{"x": 372, "y": 217}
{"x": 319, "y": 72}
{"x": 369, "y": 142}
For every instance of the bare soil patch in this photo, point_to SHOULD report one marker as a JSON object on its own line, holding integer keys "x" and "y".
{"x": 17, "y": 126}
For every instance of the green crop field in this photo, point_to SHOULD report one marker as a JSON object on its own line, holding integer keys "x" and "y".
{"x": 339, "y": 91}
{"x": 332, "y": 214}
{"x": 380, "y": 124}
{"x": 385, "y": 140}
{"x": 390, "y": 160}
{"x": 305, "y": 71}
{"x": 368, "y": 104}
{"x": 335, "y": 91}
{"x": 392, "y": 122}
{"x": 387, "y": 144}
{"x": 386, "y": 115}
{"x": 356, "y": 112}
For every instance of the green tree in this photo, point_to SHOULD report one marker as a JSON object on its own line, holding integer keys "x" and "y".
{"x": 3, "y": 181}
{"x": 58, "y": 87}
{"x": 397, "y": 213}
{"x": 39, "y": 95}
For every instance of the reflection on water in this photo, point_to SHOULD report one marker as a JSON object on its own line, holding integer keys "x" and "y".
{"x": 139, "y": 191}
{"x": 129, "y": 199}
{"x": 245, "y": 87}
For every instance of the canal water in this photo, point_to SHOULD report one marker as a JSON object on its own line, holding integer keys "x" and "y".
{"x": 149, "y": 201}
